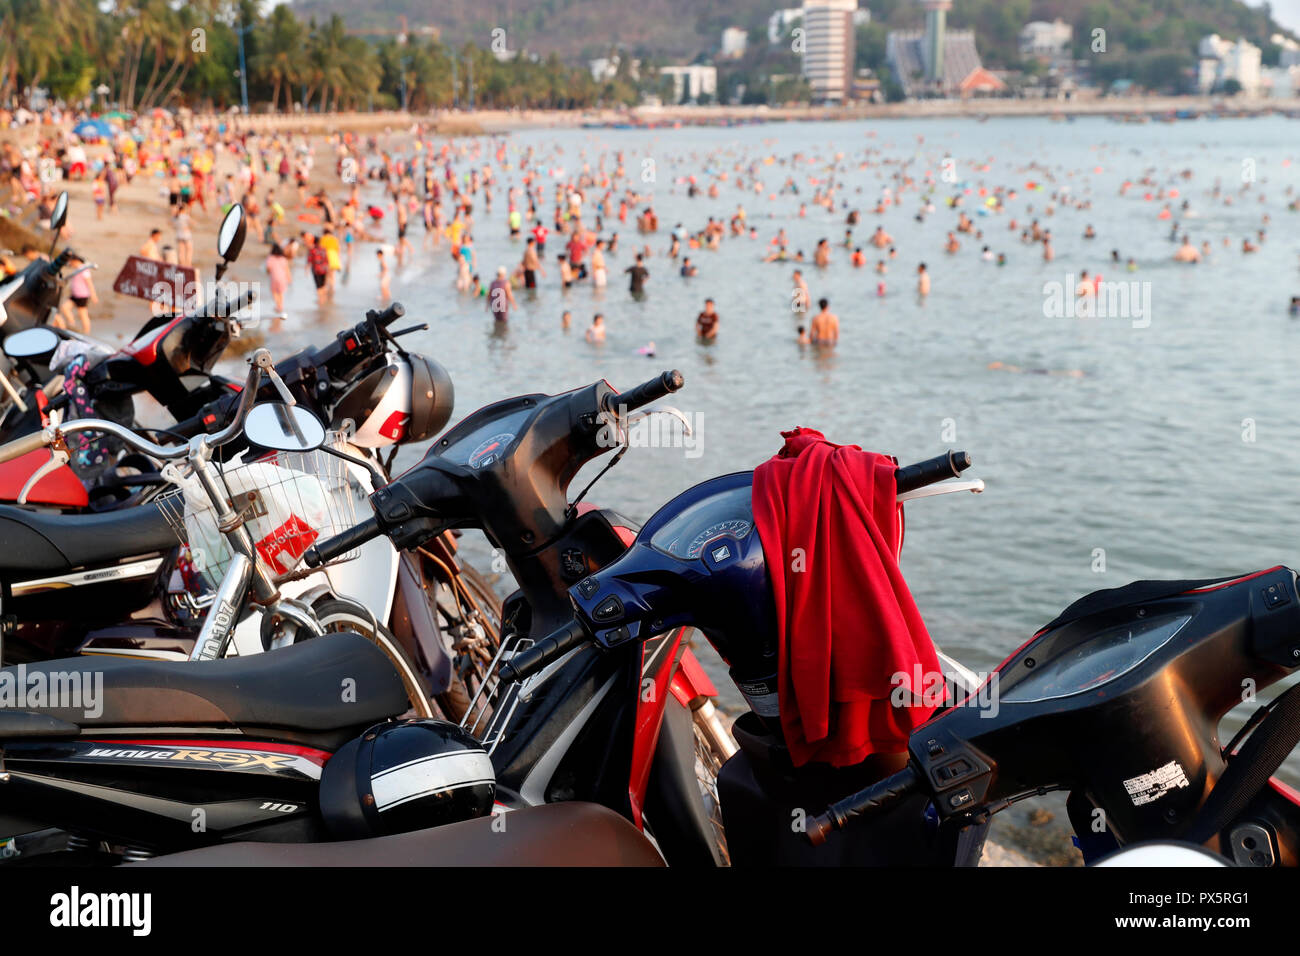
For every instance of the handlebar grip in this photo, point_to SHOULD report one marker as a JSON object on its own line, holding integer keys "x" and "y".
{"x": 389, "y": 315}
{"x": 878, "y": 797}
{"x": 247, "y": 298}
{"x": 23, "y": 446}
{"x": 646, "y": 392}
{"x": 354, "y": 537}
{"x": 924, "y": 473}
{"x": 548, "y": 649}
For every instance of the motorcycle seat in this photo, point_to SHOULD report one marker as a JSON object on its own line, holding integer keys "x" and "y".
{"x": 306, "y": 687}
{"x": 553, "y": 834}
{"x": 40, "y": 542}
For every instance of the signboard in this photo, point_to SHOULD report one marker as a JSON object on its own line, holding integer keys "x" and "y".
{"x": 156, "y": 281}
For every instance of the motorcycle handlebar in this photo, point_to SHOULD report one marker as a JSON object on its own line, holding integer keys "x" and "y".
{"x": 923, "y": 473}
{"x": 874, "y": 799}
{"x": 25, "y": 445}
{"x": 550, "y": 648}
{"x": 645, "y": 393}
{"x": 388, "y": 316}
{"x": 354, "y": 537}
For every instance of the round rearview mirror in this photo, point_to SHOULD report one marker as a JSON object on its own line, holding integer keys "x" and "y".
{"x": 35, "y": 343}
{"x": 60, "y": 214}
{"x": 283, "y": 427}
{"x": 230, "y": 238}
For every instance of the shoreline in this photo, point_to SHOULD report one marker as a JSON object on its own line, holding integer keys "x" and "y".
{"x": 492, "y": 122}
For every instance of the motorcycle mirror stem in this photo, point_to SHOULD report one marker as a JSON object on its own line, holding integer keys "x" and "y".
{"x": 57, "y": 220}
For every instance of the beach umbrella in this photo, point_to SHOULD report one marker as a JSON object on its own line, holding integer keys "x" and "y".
{"x": 93, "y": 130}
{"x": 116, "y": 115}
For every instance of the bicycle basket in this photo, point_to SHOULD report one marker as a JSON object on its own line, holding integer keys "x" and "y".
{"x": 287, "y": 500}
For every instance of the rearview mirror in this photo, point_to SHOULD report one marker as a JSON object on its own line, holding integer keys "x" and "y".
{"x": 31, "y": 343}
{"x": 60, "y": 214}
{"x": 230, "y": 238}
{"x": 283, "y": 427}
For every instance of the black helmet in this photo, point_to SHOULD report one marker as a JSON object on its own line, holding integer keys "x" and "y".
{"x": 406, "y": 775}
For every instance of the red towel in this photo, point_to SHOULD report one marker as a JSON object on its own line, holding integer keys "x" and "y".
{"x": 832, "y": 529}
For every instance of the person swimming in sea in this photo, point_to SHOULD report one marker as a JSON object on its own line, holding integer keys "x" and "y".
{"x": 1061, "y": 372}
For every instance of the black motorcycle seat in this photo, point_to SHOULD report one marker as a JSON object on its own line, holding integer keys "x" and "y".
{"x": 40, "y": 542}
{"x": 331, "y": 682}
{"x": 554, "y": 834}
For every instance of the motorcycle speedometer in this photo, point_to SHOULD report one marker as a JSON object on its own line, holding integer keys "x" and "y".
{"x": 1096, "y": 660}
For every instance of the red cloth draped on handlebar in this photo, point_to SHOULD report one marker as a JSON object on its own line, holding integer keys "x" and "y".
{"x": 849, "y": 631}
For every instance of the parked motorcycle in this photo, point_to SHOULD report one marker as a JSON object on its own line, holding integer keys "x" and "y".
{"x": 634, "y": 731}
{"x": 1117, "y": 702}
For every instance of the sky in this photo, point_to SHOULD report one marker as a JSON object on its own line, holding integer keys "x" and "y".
{"x": 1285, "y": 12}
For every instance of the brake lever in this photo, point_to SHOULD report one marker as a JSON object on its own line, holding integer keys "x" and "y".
{"x": 670, "y": 410}
{"x": 58, "y": 458}
{"x": 975, "y": 487}
{"x": 422, "y": 327}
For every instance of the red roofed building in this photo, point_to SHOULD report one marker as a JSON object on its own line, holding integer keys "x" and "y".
{"x": 980, "y": 81}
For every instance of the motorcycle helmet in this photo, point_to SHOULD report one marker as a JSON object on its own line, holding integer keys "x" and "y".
{"x": 407, "y": 399}
{"x": 406, "y": 775}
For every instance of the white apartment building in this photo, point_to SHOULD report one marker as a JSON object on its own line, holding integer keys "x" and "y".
{"x": 734, "y": 42}
{"x": 828, "y": 48}
{"x": 1041, "y": 38}
{"x": 694, "y": 81}
{"x": 1222, "y": 60}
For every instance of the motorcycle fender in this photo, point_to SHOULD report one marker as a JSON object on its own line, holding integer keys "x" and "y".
{"x": 690, "y": 682}
{"x": 415, "y": 624}
{"x": 674, "y": 808}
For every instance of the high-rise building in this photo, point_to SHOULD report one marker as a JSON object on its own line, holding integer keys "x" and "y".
{"x": 936, "y": 28}
{"x": 828, "y": 48}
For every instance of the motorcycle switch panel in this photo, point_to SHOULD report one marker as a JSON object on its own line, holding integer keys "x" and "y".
{"x": 608, "y": 610}
{"x": 959, "y": 775}
{"x": 1275, "y": 618}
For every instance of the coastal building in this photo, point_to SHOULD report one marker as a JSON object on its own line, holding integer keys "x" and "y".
{"x": 1221, "y": 61}
{"x": 1290, "y": 50}
{"x": 692, "y": 82}
{"x": 605, "y": 68}
{"x": 829, "y": 48}
{"x": 934, "y": 61}
{"x": 734, "y": 42}
{"x": 1046, "y": 41}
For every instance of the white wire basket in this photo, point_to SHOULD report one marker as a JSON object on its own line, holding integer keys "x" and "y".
{"x": 289, "y": 501}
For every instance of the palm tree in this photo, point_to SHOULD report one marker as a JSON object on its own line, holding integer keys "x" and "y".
{"x": 278, "y": 53}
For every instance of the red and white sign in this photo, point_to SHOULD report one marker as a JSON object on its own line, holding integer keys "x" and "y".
{"x": 156, "y": 281}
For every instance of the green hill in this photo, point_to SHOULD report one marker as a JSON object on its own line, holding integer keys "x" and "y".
{"x": 689, "y": 28}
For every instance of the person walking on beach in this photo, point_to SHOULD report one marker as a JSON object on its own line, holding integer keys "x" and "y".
{"x": 318, "y": 262}
{"x": 150, "y": 248}
{"x": 277, "y": 267}
{"x": 184, "y": 234}
{"x": 81, "y": 292}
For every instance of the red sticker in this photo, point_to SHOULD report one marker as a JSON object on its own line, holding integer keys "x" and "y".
{"x": 284, "y": 547}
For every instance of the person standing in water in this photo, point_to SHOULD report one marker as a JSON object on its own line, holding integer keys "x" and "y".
{"x": 706, "y": 323}
{"x": 825, "y": 325}
{"x": 922, "y": 281}
{"x": 500, "y": 297}
{"x": 596, "y": 332}
{"x": 639, "y": 274}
